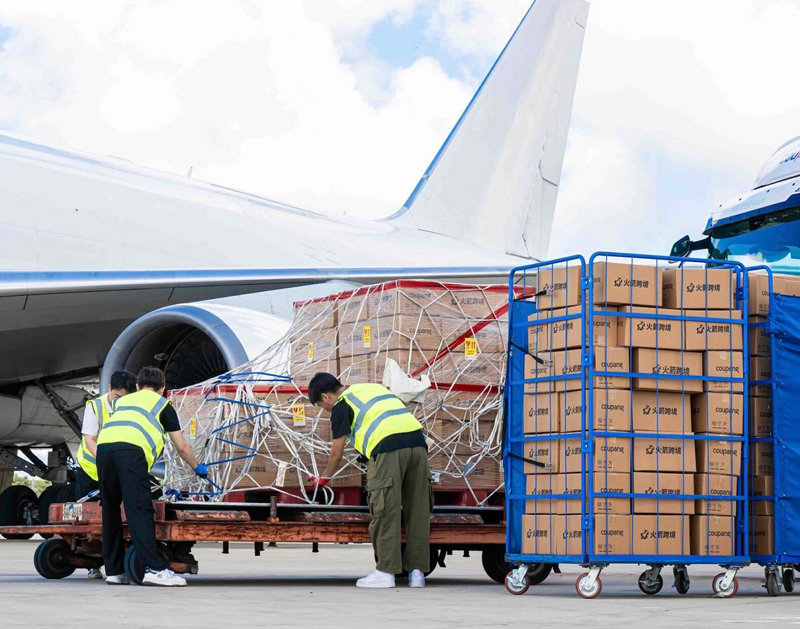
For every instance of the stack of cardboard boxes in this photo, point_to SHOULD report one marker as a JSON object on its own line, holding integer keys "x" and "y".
{"x": 663, "y": 459}
{"x": 761, "y": 452}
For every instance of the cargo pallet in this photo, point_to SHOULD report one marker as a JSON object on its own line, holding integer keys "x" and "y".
{"x": 75, "y": 533}
{"x": 572, "y": 276}
{"x": 782, "y": 324}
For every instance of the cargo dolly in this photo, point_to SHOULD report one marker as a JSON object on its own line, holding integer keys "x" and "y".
{"x": 75, "y": 533}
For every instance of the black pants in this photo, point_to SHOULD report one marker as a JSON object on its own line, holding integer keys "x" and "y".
{"x": 124, "y": 479}
{"x": 84, "y": 484}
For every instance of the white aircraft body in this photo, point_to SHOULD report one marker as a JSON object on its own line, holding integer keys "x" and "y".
{"x": 101, "y": 260}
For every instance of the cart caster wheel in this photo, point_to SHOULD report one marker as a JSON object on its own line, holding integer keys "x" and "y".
{"x": 51, "y": 559}
{"x": 732, "y": 588}
{"x": 133, "y": 567}
{"x": 772, "y": 585}
{"x": 650, "y": 587}
{"x": 583, "y": 589}
{"x": 515, "y": 587}
{"x": 788, "y": 580}
{"x": 681, "y": 581}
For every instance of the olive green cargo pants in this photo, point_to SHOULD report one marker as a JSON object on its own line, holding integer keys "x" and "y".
{"x": 399, "y": 486}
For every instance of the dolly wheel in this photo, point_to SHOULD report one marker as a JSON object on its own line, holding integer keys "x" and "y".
{"x": 732, "y": 588}
{"x": 584, "y": 590}
{"x": 133, "y": 567}
{"x": 788, "y": 580}
{"x": 772, "y": 585}
{"x": 650, "y": 587}
{"x": 516, "y": 587}
{"x": 51, "y": 559}
{"x": 681, "y": 581}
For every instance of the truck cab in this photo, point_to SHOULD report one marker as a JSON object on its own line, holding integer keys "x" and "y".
{"x": 762, "y": 226}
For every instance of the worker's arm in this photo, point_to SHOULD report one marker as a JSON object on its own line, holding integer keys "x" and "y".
{"x": 182, "y": 448}
{"x": 335, "y": 458}
{"x": 91, "y": 443}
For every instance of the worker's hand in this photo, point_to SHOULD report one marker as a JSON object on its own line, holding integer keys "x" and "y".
{"x": 201, "y": 470}
{"x": 318, "y": 481}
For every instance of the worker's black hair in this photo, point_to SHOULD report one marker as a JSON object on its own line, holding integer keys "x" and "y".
{"x": 123, "y": 380}
{"x": 322, "y": 383}
{"x": 151, "y": 377}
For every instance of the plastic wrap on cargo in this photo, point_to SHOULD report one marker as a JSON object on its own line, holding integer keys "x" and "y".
{"x": 256, "y": 429}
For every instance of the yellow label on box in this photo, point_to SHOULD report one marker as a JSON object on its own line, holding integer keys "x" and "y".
{"x": 470, "y": 347}
{"x": 193, "y": 427}
{"x": 310, "y": 352}
{"x": 299, "y": 414}
{"x": 367, "y": 334}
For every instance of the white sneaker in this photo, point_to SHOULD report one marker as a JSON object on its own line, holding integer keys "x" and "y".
{"x": 117, "y": 579}
{"x": 94, "y": 573}
{"x": 416, "y": 579}
{"x": 164, "y": 577}
{"x": 376, "y": 579}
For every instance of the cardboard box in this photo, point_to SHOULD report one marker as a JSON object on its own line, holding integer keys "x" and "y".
{"x": 470, "y": 338}
{"x": 538, "y": 338}
{"x": 762, "y": 459}
{"x": 762, "y": 487}
{"x": 612, "y": 410}
{"x": 472, "y": 303}
{"x": 718, "y": 413}
{"x": 361, "y": 337}
{"x": 542, "y": 413}
{"x": 667, "y": 413}
{"x": 314, "y": 345}
{"x": 320, "y": 313}
{"x": 716, "y": 485}
{"x": 465, "y": 472}
{"x": 611, "y": 454}
{"x": 653, "y": 454}
{"x": 404, "y": 297}
{"x": 713, "y": 535}
{"x": 623, "y": 283}
{"x": 567, "y": 363}
{"x": 698, "y": 288}
{"x": 759, "y": 344}
{"x": 604, "y": 327}
{"x": 760, "y": 416}
{"x": 352, "y": 308}
{"x": 551, "y": 534}
{"x": 788, "y": 285}
{"x": 565, "y": 334}
{"x": 649, "y": 332}
{"x": 710, "y": 335}
{"x": 560, "y": 286}
{"x": 358, "y": 369}
{"x": 760, "y": 369}
{"x": 758, "y": 292}
{"x": 719, "y": 364}
{"x": 542, "y": 368}
{"x": 302, "y": 373}
{"x": 612, "y": 534}
{"x": 667, "y": 362}
{"x": 612, "y": 359}
{"x": 554, "y": 484}
{"x": 719, "y": 457}
{"x": 571, "y": 409}
{"x": 483, "y": 369}
{"x": 557, "y": 455}
{"x": 663, "y": 488}
{"x": 660, "y": 534}
{"x": 611, "y": 483}
{"x": 762, "y": 535}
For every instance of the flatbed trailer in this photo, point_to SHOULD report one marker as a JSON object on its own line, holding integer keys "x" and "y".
{"x": 74, "y": 535}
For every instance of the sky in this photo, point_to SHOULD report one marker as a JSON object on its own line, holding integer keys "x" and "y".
{"x": 339, "y": 105}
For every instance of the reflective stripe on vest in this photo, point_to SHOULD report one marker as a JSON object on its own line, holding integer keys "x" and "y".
{"x": 84, "y": 457}
{"x": 135, "y": 421}
{"x": 378, "y": 413}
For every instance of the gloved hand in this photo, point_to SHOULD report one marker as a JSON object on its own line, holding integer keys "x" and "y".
{"x": 318, "y": 481}
{"x": 201, "y": 470}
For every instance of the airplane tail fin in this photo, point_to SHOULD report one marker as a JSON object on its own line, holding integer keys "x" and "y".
{"x": 494, "y": 180}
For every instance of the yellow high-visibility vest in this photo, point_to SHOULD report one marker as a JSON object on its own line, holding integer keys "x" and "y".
{"x": 378, "y": 413}
{"x": 135, "y": 420}
{"x": 84, "y": 457}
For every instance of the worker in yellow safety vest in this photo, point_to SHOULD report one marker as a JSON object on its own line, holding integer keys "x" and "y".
{"x": 382, "y": 429}
{"x": 130, "y": 441}
{"x": 95, "y": 415}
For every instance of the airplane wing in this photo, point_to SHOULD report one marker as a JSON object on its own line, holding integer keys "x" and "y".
{"x": 60, "y": 324}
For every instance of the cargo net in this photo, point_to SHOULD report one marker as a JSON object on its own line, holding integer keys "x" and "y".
{"x": 256, "y": 429}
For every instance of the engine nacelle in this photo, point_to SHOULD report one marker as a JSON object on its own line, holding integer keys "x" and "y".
{"x": 193, "y": 342}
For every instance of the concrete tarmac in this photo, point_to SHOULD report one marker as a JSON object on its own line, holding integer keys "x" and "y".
{"x": 289, "y": 586}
